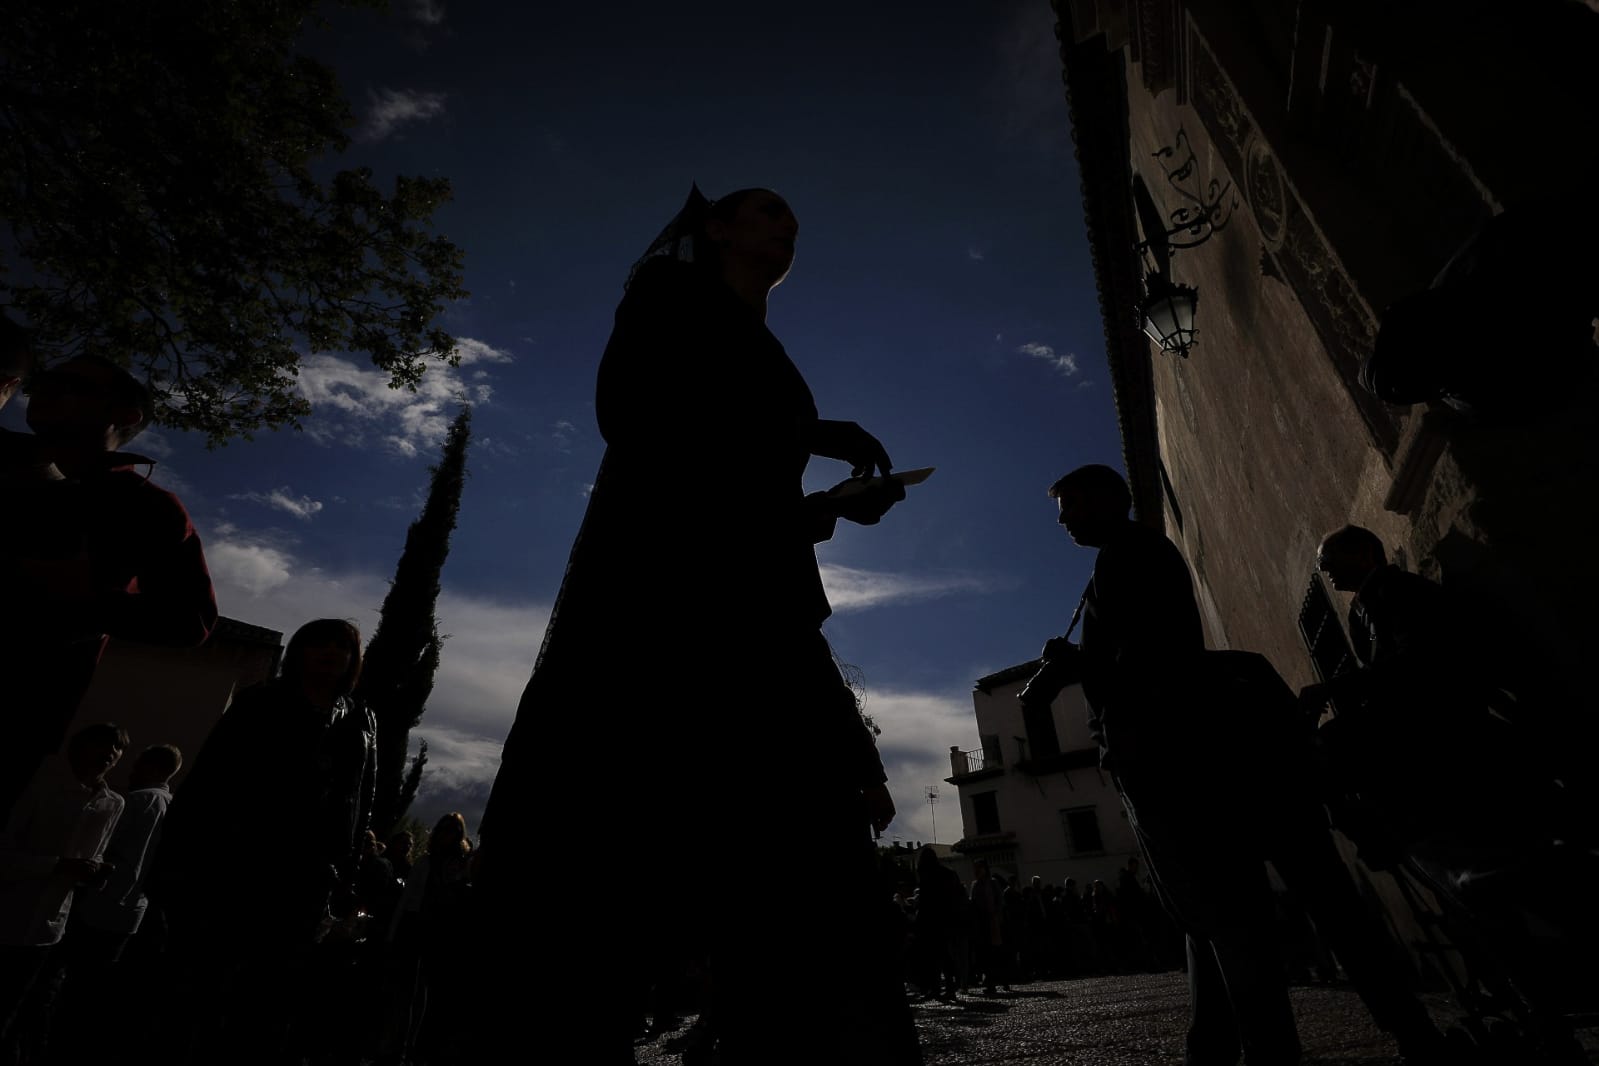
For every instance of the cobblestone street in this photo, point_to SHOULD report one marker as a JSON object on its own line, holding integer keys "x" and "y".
{"x": 1125, "y": 1021}
{"x": 1121, "y": 1021}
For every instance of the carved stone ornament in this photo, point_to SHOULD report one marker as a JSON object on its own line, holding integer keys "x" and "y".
{"x": 1268, "y": 198}
{"x": 1299, "y": 249}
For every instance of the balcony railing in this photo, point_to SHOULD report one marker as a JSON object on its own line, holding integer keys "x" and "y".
{"x": 972, "y": 762}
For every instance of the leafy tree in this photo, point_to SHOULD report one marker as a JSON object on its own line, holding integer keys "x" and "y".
{"x": 156, "y": 176}
{"x": 403, "y": 655}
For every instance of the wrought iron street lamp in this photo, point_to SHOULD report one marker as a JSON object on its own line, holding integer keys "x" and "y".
{"x": 1167, "y": 310}
{"x": 1168, "y": 314}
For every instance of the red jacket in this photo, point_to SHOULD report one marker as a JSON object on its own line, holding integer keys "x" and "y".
{"x": 106, "y": 555}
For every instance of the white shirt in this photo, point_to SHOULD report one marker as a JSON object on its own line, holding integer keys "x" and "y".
{"x": 57, "y": 817}
{"x": 119, "y": 905}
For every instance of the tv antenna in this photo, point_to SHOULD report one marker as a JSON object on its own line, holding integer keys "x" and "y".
{"x": 932, "y": 806}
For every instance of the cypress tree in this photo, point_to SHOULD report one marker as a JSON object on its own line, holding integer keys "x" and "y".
{"x": 413, "y": 781}
{"x": 403, "y": 654}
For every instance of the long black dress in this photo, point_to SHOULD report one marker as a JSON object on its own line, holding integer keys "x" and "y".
{"x": 685, "y": 728}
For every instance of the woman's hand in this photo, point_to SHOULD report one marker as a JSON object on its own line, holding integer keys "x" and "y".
{"x": 848, "y": 442}
{"x": 864, "y": 506}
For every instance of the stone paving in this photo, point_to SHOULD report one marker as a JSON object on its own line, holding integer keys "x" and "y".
{"x": 1122, "y": 1021}
{"x": 1125, "y": 1021}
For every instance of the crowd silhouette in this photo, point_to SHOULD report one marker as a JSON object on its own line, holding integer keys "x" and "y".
{"x": 994, "y": 933}
{"x": 257, "y": 916}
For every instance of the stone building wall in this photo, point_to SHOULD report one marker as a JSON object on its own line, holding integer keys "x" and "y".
{"x": 1363, "y": 144}
{"x": 1361, "y": 150}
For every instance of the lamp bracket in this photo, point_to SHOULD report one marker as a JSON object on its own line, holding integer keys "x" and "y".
{"x": 1209, "y": 209}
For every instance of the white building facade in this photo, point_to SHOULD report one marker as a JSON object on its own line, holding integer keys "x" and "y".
{"x": 1033, "y": 799}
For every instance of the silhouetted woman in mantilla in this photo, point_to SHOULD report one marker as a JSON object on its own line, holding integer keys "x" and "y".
{"x": 685, "y": 721}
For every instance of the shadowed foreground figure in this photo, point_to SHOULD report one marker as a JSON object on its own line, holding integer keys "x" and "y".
{"x": 693, "y": 702}
{"x": 1429, "y": 774}
{"x": 291, "y": 760}
{"x": 92, "y": 550}
{"x": 1141, "y": 665}
{"x": 1166, "y": 714}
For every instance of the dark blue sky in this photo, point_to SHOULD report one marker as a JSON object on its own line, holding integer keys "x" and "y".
{"x": 942, "y": 297}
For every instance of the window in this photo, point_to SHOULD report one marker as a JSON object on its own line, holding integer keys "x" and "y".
{"x": 1323, "y": 633}
{"x": 991, "y": 754}
{"x": 1082, "y": 831}
{"x": 1042, "y": 742}
{"x": 985, "y": 810}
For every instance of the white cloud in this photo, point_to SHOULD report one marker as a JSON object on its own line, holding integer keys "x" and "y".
{"x": 918, "y": 730}
{"x": 350, "y": 401}
{"x": 484, "y": 666}
{"x": 459, "y": 774}
{"x": 389, "y": 109}
{"x": 283, "y": 498}
{"x": 427, "y": 12}
{"x": 254, "y": 569}
{"x": 562, "y": 433}
{"x": 851, "y": 589}
{"x": 974, "y": 254}
{"x": 476, "y": 351}
{"x": 412, "y": 502}
{"x": 154, "y": 443}
{"x": 1065, "y": 362}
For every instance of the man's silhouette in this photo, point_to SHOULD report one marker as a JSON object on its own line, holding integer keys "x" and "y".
{"x": 92, "y": 550}
{"x": 1413, "y": 731}
{"x": 1141, "y": 664}
{"x": 1456, "y": 790}
{"x": 1169, "y": 715}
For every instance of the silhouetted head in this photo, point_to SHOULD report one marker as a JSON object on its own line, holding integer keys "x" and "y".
{"x": 448, "y": 839}
{"x": 155, "y": 766}
{"x": 1093, "y": 502}
{"x": 399, "y": 846}
{"x": 1349, "y": 555}
{"x": 324, "y": 655}
{"x": 95, "y": 749}
{"x": 1071, "y": 886}
{"x": 88, "y": 403}
{"x": 750, "y": 232}
{"x": 980, "y": 868}
{"x": 927, "y": 864}
{"x": 16, "y": 357}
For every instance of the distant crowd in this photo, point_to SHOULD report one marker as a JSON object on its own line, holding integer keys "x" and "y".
{"x": 996, "y": 931}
